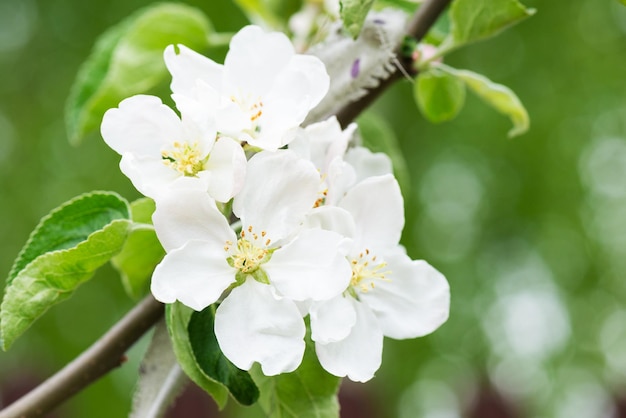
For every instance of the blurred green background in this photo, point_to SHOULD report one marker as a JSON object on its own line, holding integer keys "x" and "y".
{"x": 530, "y": 232}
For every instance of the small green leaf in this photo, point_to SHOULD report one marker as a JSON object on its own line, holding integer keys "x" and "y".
{"x": 212, "y": 361}
{"x": 308, "y": 392}
{"x": 128, "y": 60}
{"x": 142, "y": 251}
{"x": 623, "y": 2}
{"x": 378, "y": 136}
{"x": 63, "y": 251}
{"x": 439, "y": 95}
{"x": 353, "y": 14}
{"x": 473, "y": 20}
{"x": 70, "y": 224}
{"x": 500, "y": 97}
{"x": 177, "y": 317}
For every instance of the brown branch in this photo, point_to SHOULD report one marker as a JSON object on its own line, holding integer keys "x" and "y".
{"x": 103, "y": 356}
{"x": 420, "y": 24}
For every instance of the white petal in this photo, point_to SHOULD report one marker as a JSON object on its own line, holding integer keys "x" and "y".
{"x": 321, "y": 142}
{"x": 310, "y": 267}
{"x": 148, "y": 174}
{"x": 378, "y": 210}
{"x": 317, "y": 77}
{"x": 186, "y": 214}
{"x": 255, "y": 59}
{"x": 141, "y": 125}
{"x": 227, "y": 167}
{"x": 252, "y": 325}
{"x": 332, "y": 320}
{"x": 279, "y": 190}
{"x": 367, "y": 163}
{"x": 200, "y": 112}
{"x": 359, "y": 355}
{"x": 232, "y": 120}
{"x": 331, "y": 218}
{"x": 195, "y": 274}
{"x": 285, "y": 107}
{"x": 340, "y": 177}
{"x": 187, "y": 67}
{"x": 415, "y": 302}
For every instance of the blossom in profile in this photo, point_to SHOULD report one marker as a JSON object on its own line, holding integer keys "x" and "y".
{"x": 161, "y": 150}
{"x": 267, "y": 268}
{"x": 263, "y": 91}
{"x": 389, "y": 293}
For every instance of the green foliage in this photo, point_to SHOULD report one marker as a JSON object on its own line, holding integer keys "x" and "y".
{"x": 275, "y": 13}
{"x": 128, "y": 60}
{"x": 406, "y": 5}
{"x": 500, "y": 97}
{"x": 353, "y": 14}
{"x": 308, "y": 392}
{"x": 473, "y": 20}
{"x": 63, "y": 251}
{"x": 378, "y": 136}
{"x": 177, "y": 317}
{"x": 211, "y": 360}
{"x": 440, "y": 96}
{"x": 142, "y": 251}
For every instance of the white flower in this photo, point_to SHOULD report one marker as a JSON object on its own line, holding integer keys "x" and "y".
{"x": 263, "y": 91}
{"x": 272, "y": 263}
{"x": 160, "y": 151}
{"x": 389, "y": 294}
{"x": 325, "y": 144}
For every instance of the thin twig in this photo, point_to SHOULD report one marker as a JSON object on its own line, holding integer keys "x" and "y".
{"x": 420, "y": 24}
{"x": 103, "y": 356}
{"x": 108, "y": 352}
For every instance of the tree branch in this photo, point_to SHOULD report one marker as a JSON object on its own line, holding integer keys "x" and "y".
{"x": 103, "y": 356}
{"x": 420, "y": 24}
{"x": 108, "y": 352}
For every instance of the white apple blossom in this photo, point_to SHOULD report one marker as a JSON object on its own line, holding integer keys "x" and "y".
{"x": 326, "y": 145}
{"x": 263, "y": 92}
{"x": 389, "y": 294}
{"x": 160, "y": 150}
{"x": 267, "y": 268}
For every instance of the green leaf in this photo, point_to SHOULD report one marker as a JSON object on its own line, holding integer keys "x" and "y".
{"x": 308, "y": 392}
{"x": 378, "y": 136}
{"x": 473, "y": 20}
{"x": 353, "y": 14}
{"x": 500, "y": 97}
{"x": 63, "y": 251}
{"x": 275, "y": 13}
{"x": 128, "y": 60}
{"x": 142, "y": 251}
{"x": 440, "y": 96}
{"x": 213, "y": 362}
{"x": 177, "y": 317}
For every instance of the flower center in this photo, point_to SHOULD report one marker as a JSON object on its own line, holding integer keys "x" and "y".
{"x": 366, "y": 270}
{"x": 184, "y": 158}
{"x": 252, "y": 108}
{"x": 250, "y": 252}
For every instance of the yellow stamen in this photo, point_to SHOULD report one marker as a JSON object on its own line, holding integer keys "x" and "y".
{"x": 184, "y": 158}
{"x": 364, "y": 274}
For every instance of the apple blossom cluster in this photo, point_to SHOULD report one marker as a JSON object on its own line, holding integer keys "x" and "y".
{"x": 317, "y": 220}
